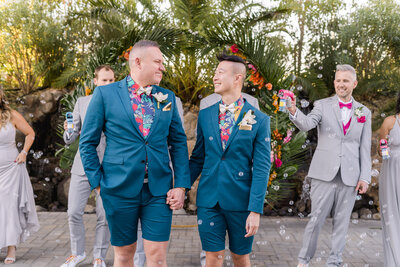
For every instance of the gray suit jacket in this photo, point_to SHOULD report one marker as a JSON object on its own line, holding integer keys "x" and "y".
{"x": 180, "y": 110}
{"x": 214, "y": 98}
{"x": 351, "y": 152}
{"x": 79, "y": 113}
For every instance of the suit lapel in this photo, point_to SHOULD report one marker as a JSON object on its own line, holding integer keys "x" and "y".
{"x": 214, "y": 113}
{"x": 338, "y": 114}
{"x": 126, "y": 103}
{"x": 157, "y": 112}
{"x": 235, "y": 129}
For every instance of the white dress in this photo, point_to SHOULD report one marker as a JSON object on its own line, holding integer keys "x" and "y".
{"x": 18, "y": 218}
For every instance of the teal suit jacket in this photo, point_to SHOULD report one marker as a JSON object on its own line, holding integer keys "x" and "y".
{"x": 236, "y": 178}
{"x": 123, "y": 168}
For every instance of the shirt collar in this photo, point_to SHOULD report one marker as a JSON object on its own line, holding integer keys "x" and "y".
{"x": 237, "y": 103}
{"x": 351, "y": 100}
{"x": 132, "y": 85}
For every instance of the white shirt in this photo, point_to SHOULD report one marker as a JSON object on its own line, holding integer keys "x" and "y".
{"x": 346, "y": 112}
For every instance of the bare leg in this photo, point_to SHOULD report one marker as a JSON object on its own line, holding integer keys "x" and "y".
{"x": 123, "y": 256}
{"x": 156, "y": 253}
{"x": 240, "y": 260}
{"x": 214, "y": 259}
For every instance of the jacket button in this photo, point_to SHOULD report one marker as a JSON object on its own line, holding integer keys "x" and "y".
{"x": 223, "y": 158}
{"x": 143, "y": 161}
{"x": 241, "y": 173}
{"x": 147, "y": 143}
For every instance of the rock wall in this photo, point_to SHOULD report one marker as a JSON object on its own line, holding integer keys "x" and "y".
{"x": 41, "y": 110}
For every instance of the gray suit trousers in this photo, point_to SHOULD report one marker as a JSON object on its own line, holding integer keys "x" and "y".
{"x": 79, "y": 192}
{"x": 140, "y": 257}
{"x": 333, "y": 198}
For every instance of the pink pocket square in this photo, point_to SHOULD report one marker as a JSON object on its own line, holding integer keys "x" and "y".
{"x": 361, "y": 119}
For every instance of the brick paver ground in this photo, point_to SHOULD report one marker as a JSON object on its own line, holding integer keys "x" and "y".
{"x": 276, "y": 244}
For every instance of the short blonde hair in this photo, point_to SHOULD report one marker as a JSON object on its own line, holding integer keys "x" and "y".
{"x": 347, "y": 67}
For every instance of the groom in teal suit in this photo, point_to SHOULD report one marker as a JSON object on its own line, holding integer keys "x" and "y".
{"x": 232, "y": 153}
{"x": 141, "y": 123}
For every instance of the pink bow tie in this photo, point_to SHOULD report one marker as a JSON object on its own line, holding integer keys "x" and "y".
{"x": 348, "y": 105}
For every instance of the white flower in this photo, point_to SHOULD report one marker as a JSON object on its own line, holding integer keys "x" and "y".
{"x": 160, "y": 97}
{"x": 358, "y": 112}
{"x": 248, "y": 119}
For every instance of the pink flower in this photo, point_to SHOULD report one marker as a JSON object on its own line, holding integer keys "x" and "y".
{"x": 278, "y": 162}
{"x": 361, "y": 119}
{"x": 234, "y": 48}
{"x": 251, "y": 66}
{"x": 287, "y": 139}
{"x": 272, "y": 157}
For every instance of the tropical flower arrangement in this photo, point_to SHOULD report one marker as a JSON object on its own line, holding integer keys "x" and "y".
{"x": 285, "y": 144}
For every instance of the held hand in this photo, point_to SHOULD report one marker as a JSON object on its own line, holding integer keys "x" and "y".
{"x": 65, "y": 125}
{"x": 21, "y": 158}
{"x": 292, "y": 108}
{"x": 361, "y": 187}
{"x": 252, "y": 224}
{"x": 176, "y": 198}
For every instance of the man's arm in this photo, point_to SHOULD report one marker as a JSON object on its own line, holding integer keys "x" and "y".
{"x": 180, "y": 110}
{"x": 261, "y": 166}
{"x": 179, "y": 151}
{"x": 197, "y": 158}
{"x": 365, "y": 150}
{"x": 303, "y": 122}
{"x": 70, "y": 138}
{"x": 90, "y": 139}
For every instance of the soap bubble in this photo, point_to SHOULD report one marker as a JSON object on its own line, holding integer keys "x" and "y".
{"x": 304, "y": 103}
{"x": 374, "y": 173}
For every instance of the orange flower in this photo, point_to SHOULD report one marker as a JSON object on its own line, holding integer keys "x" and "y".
{"x": 275, "y": 103}
{"x": 269, "y": 86}
{"x": 277, "y": 135}
{"x": 239, "y": 54}
{"x": 272, "y": 177}
{"x": 125, "y": 54}
{"x": 256, "y": 79}
{"x": 87, "y": 91}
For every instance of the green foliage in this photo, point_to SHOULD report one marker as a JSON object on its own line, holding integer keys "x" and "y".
{"x": 33, "y": 47}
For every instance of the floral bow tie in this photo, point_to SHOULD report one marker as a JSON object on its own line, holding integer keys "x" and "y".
{"x": 146, "y": 90}
{"x": 223, "y": 108}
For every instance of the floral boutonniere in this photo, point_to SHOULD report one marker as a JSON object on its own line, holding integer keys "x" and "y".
{"x": 360, "y": 115}
{"x": 247, "y": 121}
{"x": 160, "y": 97}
